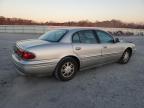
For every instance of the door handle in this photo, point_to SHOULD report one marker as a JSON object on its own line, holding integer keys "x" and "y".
{"x": 105, "y": 47}
{"x": 78, "y": 48}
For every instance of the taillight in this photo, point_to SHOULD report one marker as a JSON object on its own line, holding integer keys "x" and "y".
{"x": 28, "y": 55}
{"x": 24, "y": 54}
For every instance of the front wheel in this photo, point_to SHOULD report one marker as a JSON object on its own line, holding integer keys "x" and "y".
{"x": 125, "y": 57}
{"x": 66, "y": 69}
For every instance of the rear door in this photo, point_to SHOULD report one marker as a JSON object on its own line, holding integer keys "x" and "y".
{"x": 111, "y": 51}
{"x": 86, "y": 46}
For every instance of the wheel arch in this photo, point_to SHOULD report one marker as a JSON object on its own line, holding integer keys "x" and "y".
{"x": 73, "y": 57}
{"x": 130, "y": 49}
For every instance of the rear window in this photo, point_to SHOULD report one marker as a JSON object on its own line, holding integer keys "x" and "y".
{"x": 53, "y": 35}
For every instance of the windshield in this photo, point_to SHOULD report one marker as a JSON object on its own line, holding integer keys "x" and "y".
{"x": 53, "y": 35}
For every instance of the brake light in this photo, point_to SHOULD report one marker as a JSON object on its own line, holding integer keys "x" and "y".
{"x": 24, "y": 54}
{"x": 28, "y": 55}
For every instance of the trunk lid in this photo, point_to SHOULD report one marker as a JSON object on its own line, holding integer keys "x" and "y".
{"x": 24, "y": 44}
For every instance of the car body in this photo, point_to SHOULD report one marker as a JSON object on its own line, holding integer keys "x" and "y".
{"x": 85, "y": 47}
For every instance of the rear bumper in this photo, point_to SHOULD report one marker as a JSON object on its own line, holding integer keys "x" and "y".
{"x": 34, "y": 67}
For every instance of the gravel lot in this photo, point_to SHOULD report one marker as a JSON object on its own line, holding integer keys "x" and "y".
{"x": 110, "y": 86}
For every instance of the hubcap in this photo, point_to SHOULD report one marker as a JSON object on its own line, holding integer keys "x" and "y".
{"x": 67, "y": 69}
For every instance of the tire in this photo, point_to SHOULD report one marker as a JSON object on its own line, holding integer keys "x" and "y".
{"x": 66, "y": 69}
{"x": 125, "y": 57}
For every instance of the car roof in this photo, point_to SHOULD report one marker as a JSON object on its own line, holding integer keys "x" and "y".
{"x": 77, "y": 28}
{"x": 72, "y": 30}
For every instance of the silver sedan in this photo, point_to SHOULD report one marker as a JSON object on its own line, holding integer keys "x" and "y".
{"x": 63, "y": 52}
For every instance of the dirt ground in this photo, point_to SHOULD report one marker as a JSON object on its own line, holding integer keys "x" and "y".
{"x": 109, "y": 86}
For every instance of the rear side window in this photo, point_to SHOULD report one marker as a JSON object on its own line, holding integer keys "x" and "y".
{"x": 53, "y": 35}
{"x": 85, "y": 36}
{"x": 104, "y": 37}
{"x": 76, "y": 38}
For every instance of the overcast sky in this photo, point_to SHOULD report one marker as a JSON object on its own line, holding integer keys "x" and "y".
{"x": 74, "y": 10}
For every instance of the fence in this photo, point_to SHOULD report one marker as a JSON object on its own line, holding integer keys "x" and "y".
{"x": 23, "y": 29}
{"x": 42, "y": 29}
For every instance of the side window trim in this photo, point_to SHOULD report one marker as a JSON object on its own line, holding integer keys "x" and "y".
{"x": 96, "y": 36}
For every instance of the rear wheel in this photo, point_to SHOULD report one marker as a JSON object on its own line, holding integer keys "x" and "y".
{"x": 66, "y": 69}
{"x": 125, "y": 57}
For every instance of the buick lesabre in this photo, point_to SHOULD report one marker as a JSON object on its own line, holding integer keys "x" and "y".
{"x": 63, "y": 52}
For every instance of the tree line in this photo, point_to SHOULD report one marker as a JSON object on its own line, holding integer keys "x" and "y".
{"x": 83, "y": 23}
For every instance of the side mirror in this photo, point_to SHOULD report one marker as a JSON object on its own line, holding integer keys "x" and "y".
{"x": 117, "y": 40}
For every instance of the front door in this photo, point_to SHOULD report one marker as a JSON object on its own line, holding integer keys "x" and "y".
{"x": 111, "y": 51}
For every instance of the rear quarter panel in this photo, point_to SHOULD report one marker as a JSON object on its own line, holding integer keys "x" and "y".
{"x": 54, "y": 51}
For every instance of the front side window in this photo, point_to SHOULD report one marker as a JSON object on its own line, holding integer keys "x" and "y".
{"x": 104, "y": 37}
{"x": 85, "y": 36}
{"x": 53, "y": 35}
